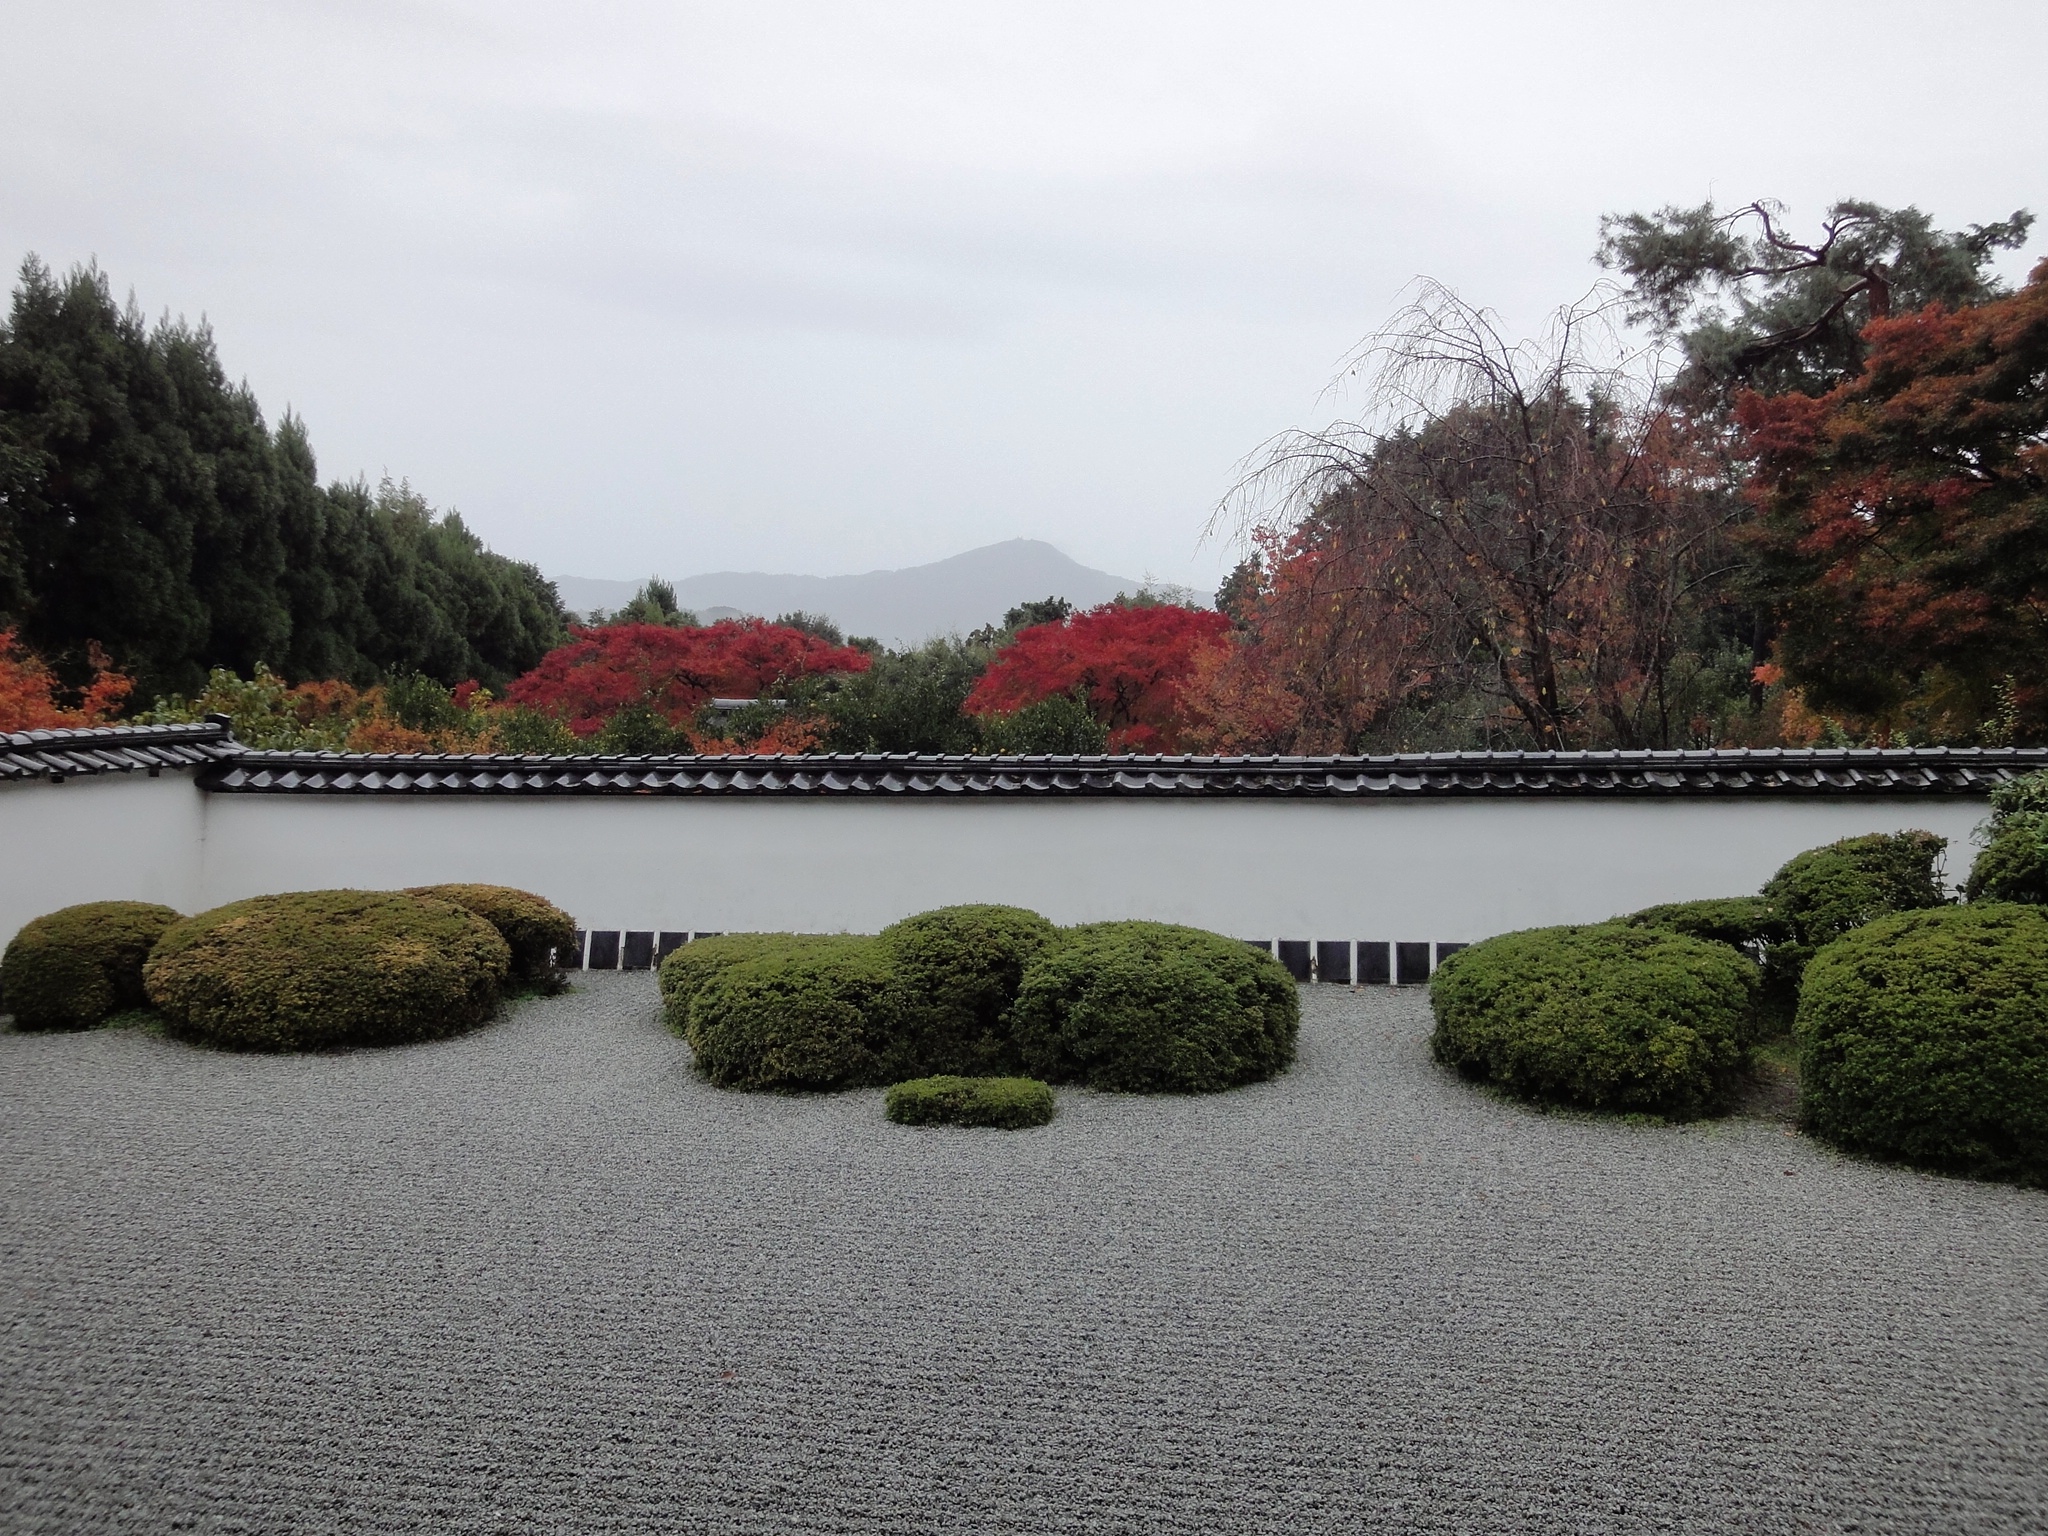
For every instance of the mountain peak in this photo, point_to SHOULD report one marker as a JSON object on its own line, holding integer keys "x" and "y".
{"x": 898, "y": 607}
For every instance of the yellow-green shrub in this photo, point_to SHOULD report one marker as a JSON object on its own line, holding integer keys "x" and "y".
{"x": 318, "y": 969}
{"x": 534, "y": 928}
{"x": 74, "y": 967}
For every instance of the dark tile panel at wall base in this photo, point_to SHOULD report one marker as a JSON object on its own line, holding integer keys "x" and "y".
{"x": 604, "y": 950}
{"x": 1333, "y": 962}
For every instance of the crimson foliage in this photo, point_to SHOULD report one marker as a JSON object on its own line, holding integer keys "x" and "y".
{"x": 1127, "y": 662}
{"x": 672, "y": 672}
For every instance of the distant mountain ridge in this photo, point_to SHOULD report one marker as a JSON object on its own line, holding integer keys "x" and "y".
{"x": 901, "y": 607}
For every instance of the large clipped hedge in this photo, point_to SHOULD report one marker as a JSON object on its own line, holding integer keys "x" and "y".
{"x": 317, "y": 969}
{"x": 807, "y": 1013}
{"x": 74, "y": 967}
{"x": 534, "y": 928}
{"x": 1154, "y": 1008}
{"x": 959, "y": 969}
{"x": 1605, "y": 1017}
{"x": 1924, "y": 1037}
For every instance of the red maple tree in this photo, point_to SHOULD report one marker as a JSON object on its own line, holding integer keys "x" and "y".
{"x": 672, "y": 671}
{"x": 1905, "y": 519}
{"x": 1127, "y": 661}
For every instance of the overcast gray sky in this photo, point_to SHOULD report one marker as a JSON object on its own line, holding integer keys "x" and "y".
{"x": 828, "y": 287}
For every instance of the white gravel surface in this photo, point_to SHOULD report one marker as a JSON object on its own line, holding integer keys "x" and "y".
{"x": 543, "y": 1279}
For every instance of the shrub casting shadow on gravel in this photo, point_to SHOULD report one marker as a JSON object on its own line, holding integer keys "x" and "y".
{"x": 321, "y": 969}
{"x": 1607, "y": 1017}
{"x": 78, "y": 966}
{"x": 1923, "y": 1037}
{"x": 1155, "y": 1008}
{"x": 1007, "y": 1103}
{"x": 979, "y": 991}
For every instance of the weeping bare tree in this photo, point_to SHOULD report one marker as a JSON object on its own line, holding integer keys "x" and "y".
{"x": 1523, "y": 524}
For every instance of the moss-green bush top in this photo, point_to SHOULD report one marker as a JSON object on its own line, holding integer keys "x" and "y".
{"x": 1924, "y": 1037}
{"x": 688, "y": 970}
{"x": 534, "y": 928}
{"x": 960, "y": 968}
{"x": 1738, "y": 920}
{"x": 811, "y": 1013}
{"x": 317, "y": 969}
{"x": 1154, "y": 1008}
{"x": 1824, "y": 892}
{"x": 2013, "y": 863}
{"x": 1604, "y": 1017}
{"x": 74, "y": 967}
{"x": 1008, "y": 1103}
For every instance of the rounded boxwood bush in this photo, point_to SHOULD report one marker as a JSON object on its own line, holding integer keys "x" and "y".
{"x": 1824, "y": 892}
{"x": 960, "y": 968}
{"x": 2013, "y": 864}
{"x": 1154, "y": 1008}
{"x": 1604, "y": 1017}
{"x": 688, "y": 970}
{"x": 1010, "y": 1103}
{"x": 74, "y": 967}
{"x": 316, "y": 969}
{"x": 1924, "y": 1037}
{"x": 813, "y": 1012}
{"x": 533, "y": 928}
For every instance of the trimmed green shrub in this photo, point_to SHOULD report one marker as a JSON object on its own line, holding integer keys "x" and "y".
{"x": 76, "y": 966}
{"x": 2013, "y": 864}
{"x": 533, "y": 928}
{"x": 1010, "y": 1103}
{"x": 1154, "y": 1008}
{"x": 316, "y": 969}
{"x": 687, "y": 971}
{"x": 1605, "y": 1017}
{"x": 960, "y": 968}
{"x": 1742, "y": 921}
{"x": 1824, "y": 892}
{"x": 1924, "y": 1037}
{"x": 810, "y": 1013}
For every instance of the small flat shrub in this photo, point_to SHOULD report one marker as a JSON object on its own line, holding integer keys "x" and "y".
{"x": 77, "y": 966}
{"x": 687, "y": 971}
{"x": 815, "y": 1012}
{"x": 1010, "y": 1103}
{"x": 1924, "y": 1037}
{"x": 1154, "y": 1008}
{"x": 316, "y": 969}
{"x": 959, "y": 968}
{"x": 1824, "y": 892}
{"x": 533, "y": 928}
{"x": 1607, "y": 1017}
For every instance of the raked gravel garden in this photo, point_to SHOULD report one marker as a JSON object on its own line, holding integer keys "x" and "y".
{"x": 546, "y": 1277}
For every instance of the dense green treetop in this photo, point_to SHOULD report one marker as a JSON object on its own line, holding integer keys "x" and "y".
{"x": 146, "y": 506}
{"x": 1757, "y": 306}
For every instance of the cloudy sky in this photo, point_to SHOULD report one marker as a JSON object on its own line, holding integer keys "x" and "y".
{"x": 829, "y": 287}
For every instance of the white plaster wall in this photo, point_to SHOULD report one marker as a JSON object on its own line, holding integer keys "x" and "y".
{"x": 113, "y": 837}
{"x": 1422, "y": 869}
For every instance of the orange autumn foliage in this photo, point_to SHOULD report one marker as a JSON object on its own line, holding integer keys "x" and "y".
{"x": 30, "y": 693}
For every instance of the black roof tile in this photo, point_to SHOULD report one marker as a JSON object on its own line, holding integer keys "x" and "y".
{"x": 231, "y": 768}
